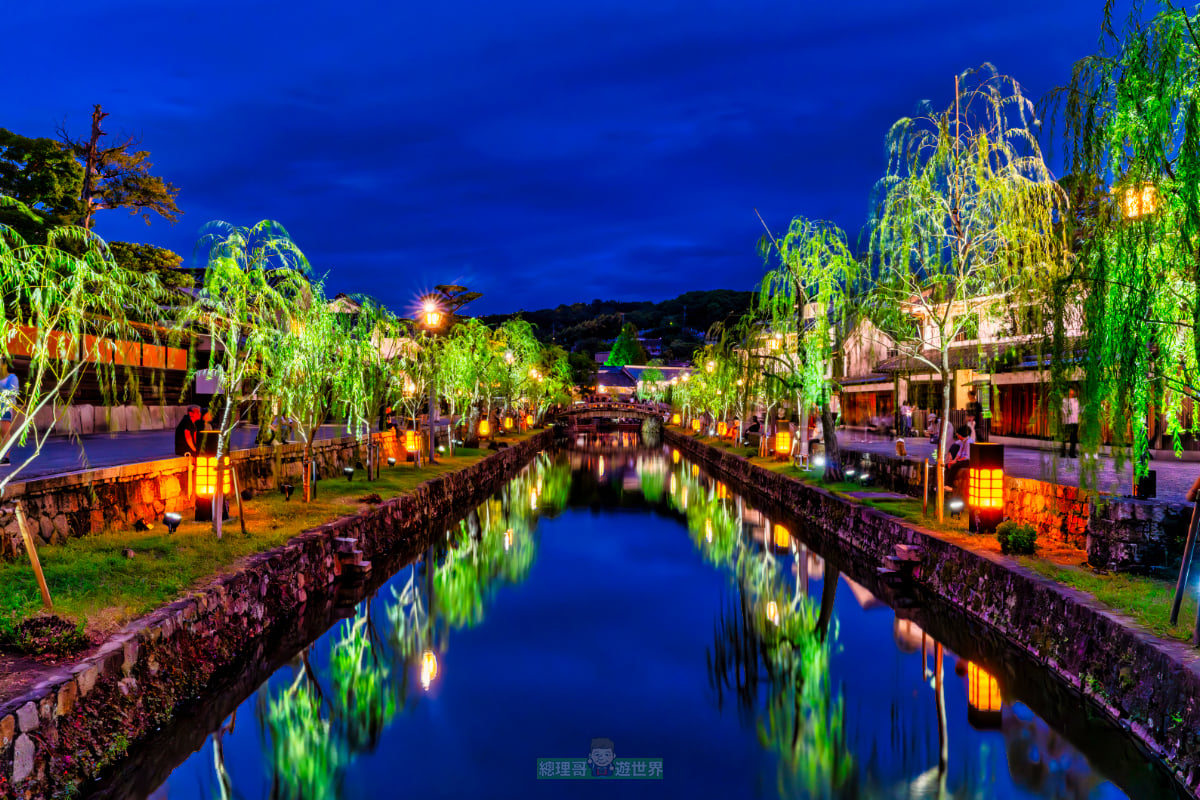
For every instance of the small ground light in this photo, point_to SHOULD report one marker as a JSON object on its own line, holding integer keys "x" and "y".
{"x": 391, "y": 462}
{"x": 956, "y": 506}
{"x": 441, "y": 448}
{"x": 348, "y": 472}
{"x": 849, "y": 473}
{"x": 172, "y": 520}
{"x": 819, "y": 462}
{"x": 287, "y": 491}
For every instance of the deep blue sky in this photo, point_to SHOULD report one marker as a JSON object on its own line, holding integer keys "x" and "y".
{"x": 540, "y": 152}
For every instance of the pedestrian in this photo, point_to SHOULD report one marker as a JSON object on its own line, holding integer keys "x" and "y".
{"x": 975, "y": 415}
{"x": 10, "y": 389}
{"x": 187, "y": 433}
{"x": 1070, "y": 418}
{"x": 958, "y": 459}
{"x": 906, "y": 419}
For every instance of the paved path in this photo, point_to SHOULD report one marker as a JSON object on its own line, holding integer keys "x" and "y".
{"x": 1175, "y": 477}
{"x": 61, "y": 455}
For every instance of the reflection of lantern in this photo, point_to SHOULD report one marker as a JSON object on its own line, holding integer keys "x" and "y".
{"x": 783, "y": 443}
{"x": 783, "y": 539}
{"x": 696, "y": 425}
{"x": 601, "y": 466}
{"x": 674, "y": 456}
{"x": 695, "y": 470}
{"x": 672, "y": 484}
{"x": 410, "y": 441}
{"x": 508, "y": 539}
{"x": 485, "y": 428}
{"x": 722, "y": 491}
{"x": 429, "y": 668}
{"x": 708, "y": 530}
{"x": 685, "y": 496}
{"x": 508, "y": 423}
{"x": 722, "y": 429}
{"x": 773, "y": 612}
{"x": 986, "y": 486}
{"x": 983, "y": 698}
{"x": 675, "y": 418}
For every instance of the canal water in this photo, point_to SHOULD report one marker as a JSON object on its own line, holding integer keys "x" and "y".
{"x": 615, "y": 616}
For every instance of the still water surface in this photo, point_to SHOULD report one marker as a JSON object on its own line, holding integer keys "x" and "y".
{"x": 618, "y": 593}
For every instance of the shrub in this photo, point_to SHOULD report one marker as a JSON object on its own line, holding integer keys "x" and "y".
{"x": 1016, "y": 539}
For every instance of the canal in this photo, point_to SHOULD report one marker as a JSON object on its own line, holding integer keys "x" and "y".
{"x": 615, "y": 610}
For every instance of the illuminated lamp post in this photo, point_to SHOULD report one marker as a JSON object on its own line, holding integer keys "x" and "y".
{"x": 431, "y": 317}
{"x": 207, "y": 470}
{"x": 783, "y": 444}
{"x": 986, "y": 486}
{"x": 983, "y": 698}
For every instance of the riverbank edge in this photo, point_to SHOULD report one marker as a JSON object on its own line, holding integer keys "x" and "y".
{"x": 1147, "y": 685}
{"x": 84, "y": 715}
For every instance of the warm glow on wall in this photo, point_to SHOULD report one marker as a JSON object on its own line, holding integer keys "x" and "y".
{"x": 206, "y": 476}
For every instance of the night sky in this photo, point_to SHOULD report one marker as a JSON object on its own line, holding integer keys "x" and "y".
{"x": 540, "y": 152}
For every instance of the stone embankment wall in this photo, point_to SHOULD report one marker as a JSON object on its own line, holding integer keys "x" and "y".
{"x": 1147, "y": 685}
{"x": 1119, "y": 534}
{"x": 82, "y": 503}
{"x": 79, "y": 719}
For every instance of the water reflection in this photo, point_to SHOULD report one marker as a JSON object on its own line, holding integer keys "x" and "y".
{"x": 836, "y": 698}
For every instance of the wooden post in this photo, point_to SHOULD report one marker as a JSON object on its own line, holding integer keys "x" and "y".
{"x": 31, "y": 551}
{"x": 237, "y": 491}
{"x": 925, "y": 491}
{"x": 1185, "y": 567}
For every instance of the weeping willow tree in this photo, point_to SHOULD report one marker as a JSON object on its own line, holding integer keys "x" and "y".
{"x": 1131, "y": 117}
{"x": 965, "y": 224}
{"x": 254, "y": 278}
{"x": 804, "y": 301}
{"x": 362, "y": 379}
{"x": 63, "y": 304}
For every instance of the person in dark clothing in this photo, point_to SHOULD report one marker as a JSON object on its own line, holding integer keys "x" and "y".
{"x": 975, "y": 416}
{"x": 187, "y": 433}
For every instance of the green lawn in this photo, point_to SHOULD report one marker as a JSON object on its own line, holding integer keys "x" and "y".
{"x": 90, "y": 579}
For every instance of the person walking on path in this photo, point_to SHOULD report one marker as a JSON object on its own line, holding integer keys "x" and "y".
{"x": 906, "y": 419}
{"x": 975, "y": 415}
{"x": 1070, "y": 418}
{"x": 10, "y": 388}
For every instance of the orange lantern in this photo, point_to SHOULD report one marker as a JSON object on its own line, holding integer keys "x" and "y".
{"x": 508, "y": 423}
{"x": 696, "y": 425}
{"x": 485, "y": 428}
{"x": 410, "y": 441}
{"x": 985, "y": 489}
{"x": 529, "y": 420}
{"x": 675, "y": 418}
{"x": 206, "y": 476}
{"x": 983, "y": 698}
{"x": 783, "y": 443}
{"x": 722, "y": 429}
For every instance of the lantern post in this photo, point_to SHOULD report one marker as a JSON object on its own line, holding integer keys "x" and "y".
{"x": 431, "y": 316}
{"x": 986, "y": 486}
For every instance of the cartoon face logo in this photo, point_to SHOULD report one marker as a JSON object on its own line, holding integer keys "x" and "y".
{"x": 601, "y": 757}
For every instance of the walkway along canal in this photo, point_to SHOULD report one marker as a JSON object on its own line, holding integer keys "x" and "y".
{"x": 617, "y": 601}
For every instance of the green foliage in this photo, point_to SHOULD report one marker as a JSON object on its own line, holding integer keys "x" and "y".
{"x": 1016, "y": 539}
{"x": 45, "y": 178}
{"x": 148, "y": 259}
{"x": 1132, "y": 122}
{"x": 626, "y": 349}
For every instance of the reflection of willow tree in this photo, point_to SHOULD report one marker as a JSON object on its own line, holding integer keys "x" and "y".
{"x": 802, "y": 721}
{"x": 314, "y": 733}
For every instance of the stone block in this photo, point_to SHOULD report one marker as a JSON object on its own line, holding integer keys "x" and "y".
{"x": 86, "y": 680}
{"x": 131, "y": 656}
{"x": 66, "y": 698}
{"x": 169, "y": 487}
{"x": 27, "y": 717}
{"x": 22, "y": 759}
{"x": 8, "y": 730}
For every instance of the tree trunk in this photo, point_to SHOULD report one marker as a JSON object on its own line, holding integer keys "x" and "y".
{"x": 833, "y": 454}
{"x": 943, "y": 439}
{"x": 91, "y": 157}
